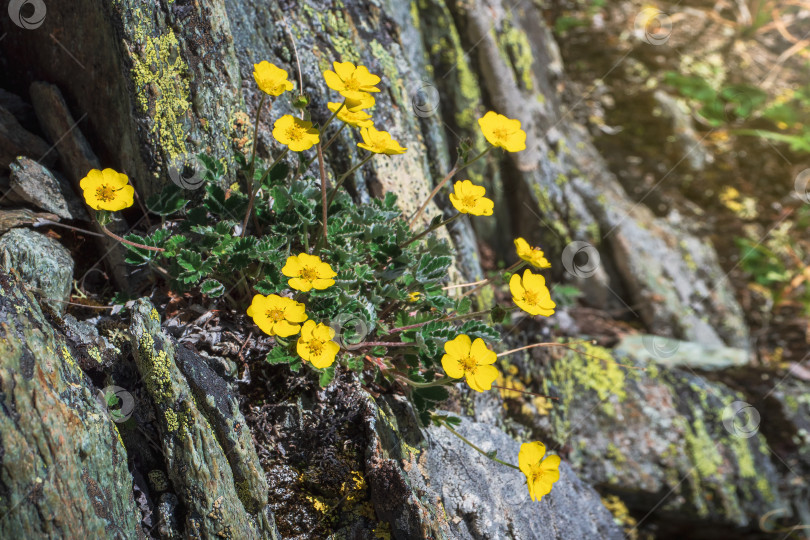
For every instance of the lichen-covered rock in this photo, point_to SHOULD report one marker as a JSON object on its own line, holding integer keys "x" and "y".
{"x": 42, "y": 263}
{"x": 483, "y": 499}
{"x": 663, "y": 439}
{"x": 668, "y": 352}
{"x": 63, "y": 472}
{"x": 197, "y": 462}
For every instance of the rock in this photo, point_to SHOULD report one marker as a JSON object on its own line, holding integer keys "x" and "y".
{"x": 196, "y": 460}
{"x": 21, "y": 110}
{"x": 75, "y": 154}
{"x": 64, "y": 470}
{"x": 42, "y": 263}
{"x": 484, "y": 499}
{"x": 36, "y": 185}
{"x": 674, "y": 446}
{"x": 9, "y": 219}
{"x": 646, "y": 348}
{"x": 76, "y": 158}
{"x": 686, "y": 142}
{"x": 15, "y": 141}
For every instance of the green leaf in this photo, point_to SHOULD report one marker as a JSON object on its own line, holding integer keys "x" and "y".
{"x": 280, "y": 355}
{"x": 168, "y": 201}
{"x": 212, "y": 288}
{"x": 433, "y": 393}
{"x": 326, "y": 376}
{"x": 432, "y": 268}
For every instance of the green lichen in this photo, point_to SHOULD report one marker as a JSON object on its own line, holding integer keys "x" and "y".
{"x": 156, "y": 365}
{"x": 161, "y": 81}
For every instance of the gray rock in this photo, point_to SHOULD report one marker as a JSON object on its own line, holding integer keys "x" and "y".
{"x": 35, "y": 184}
{"x": 64, "y": 471}
{"x": 15, "y": 141}
{"x": 42, "y": 263}
{"x": 646, "y": 348}
{"x": 198, "y": 463}
{"x": 484, "y": 499}
{"x": 21, "y": 110}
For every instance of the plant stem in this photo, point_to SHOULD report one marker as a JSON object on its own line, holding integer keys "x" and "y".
{"x": 514, "y": 268}
{"x": 323, "y": 193}
{"x": 471, "y": 445}
{"x": 445, "y": 319}
{"x": 379, "y": 344}
{"x": 438, "y": 382}
{"x": 563, "y": 345}
{"x": 111, "y": 234}
{"x": 430, "y": 230}
{"x": 525, "y": 392}
{"x": 456, "y": 168}
{"x": 254, "y": 192}
{"x": 255, "y": 141}
{"x": 346, "y": 175}
{"x": 335, "y": 136}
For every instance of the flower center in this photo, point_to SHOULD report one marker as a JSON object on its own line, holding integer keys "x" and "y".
{"x": 530, "y": 297}
{"x": 469, "y": 364}
{"x": 537, "y": 475}
{"x": 295, "y": 133}
{"x": 501, "y": 134}
{"x": 275, "y": 315}
{"x": 309, "y": 274}
{"x": 105, "y": 193}
{"x": 469, "y": 200}
{"x": 316, "y": 347}
{"x": 352, "y": 84}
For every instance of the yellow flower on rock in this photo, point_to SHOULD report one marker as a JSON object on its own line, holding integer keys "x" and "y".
{"x": 316, "y": 346}
{"x": 353, "y": 82}
{"x": 271, "y": 79}
{"x": 107, "y": 190}
{"x": 297, "y": 134}
{"x": 355, "y": 118}
{"x": 540, "y": 473}
{"x": 276, "y": 315}
{"x": 379, "y": 142}
{"x": 531, "y": 294}
{"x": 472, "y": 360}
{"x": 308, "y": 272}
{"x": 532, "y": 255}
{"x": 469, "y": 199}
{"x": 503, "y": 132}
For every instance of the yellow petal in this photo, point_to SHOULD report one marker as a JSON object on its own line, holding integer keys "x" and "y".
{"x": 295, "y": 312}
{"x": 516, "y": 286}
{"x": 322, "y": 284}
{"x": 530, "y": 456}
{"x": 344, "y": 69}
{"x": 483, "y": 207}
{"x": 481, "y": 353}
{"x": 306, "y": 330}
{"x": 300, "y": 284}
{"x": 301, "y": 347}
{"x": 333, "y": 81}
{"x": 452, "y": 367}
{"x": 483, "y": 378}
{"x": 458, "y": 347}
{"x": 285, "y": 329}
{"x": 292, "y": 268}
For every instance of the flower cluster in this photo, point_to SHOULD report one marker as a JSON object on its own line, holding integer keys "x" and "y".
{"x": 389, "y": 282}
{"x": 279, "y": 316}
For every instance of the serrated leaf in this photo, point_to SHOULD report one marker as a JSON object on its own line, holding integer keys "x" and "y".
{"x": 432, "y": 268}
{"x": 327, "y": 375}
{"x": 212, "y": 288}
{"x": 433, "y": 393}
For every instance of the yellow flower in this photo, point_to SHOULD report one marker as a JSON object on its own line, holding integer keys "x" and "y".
{"x": 540, "y": 473}
{"x": 532, "y": 255}
{"x": 471, "y": 360}
{"x": 366, "y": 102}
{"x": 502, "y": 131}
{"x": 298, "y": 134}
{"x": 379, "y": 142}
{"x": 271, "y": 79}
{"x": 414, "y": 296}
{"x": 353, "y": 82}
{"x": 277, "y": 315}
{"x": 107, "y": 190}
{"x": 357, "y": 118}
{"x": 531, "y": 294}
{"x": 469, "y": 199}
{"x": 308, "y": 272}
{"x": 316, "y": 346}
